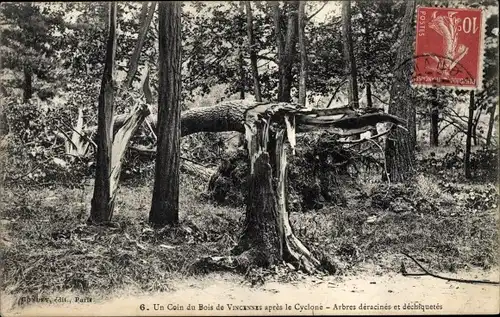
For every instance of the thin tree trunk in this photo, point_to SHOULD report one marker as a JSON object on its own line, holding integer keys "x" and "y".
{"x": 28, "y": 84}
{"x": 399, "y": 147}
{"x": 350, "y": 61}
{"x": 369, "y": 99}
{"x": 490, "y": 126}
{"x": 303, "y": 55}
{"x": 475, "y": 124}
{"x": 241, "y": 61}
{"x": 103, "y": 201}
{"x": 242, "y": 74}
{"x": 468, "y": 140}
{"x": 280, "y": 44}
{"x": 253, "y": 54}
{"x": 144, "y": 26}
{"x": 434, "y": 133}
{"x": 165, "y": 204}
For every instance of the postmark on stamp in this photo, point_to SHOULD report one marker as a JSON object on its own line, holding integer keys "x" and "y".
{"x": 449, "y": 48}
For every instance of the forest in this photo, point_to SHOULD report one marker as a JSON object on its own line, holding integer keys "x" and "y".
{"x": 143, "y": 143}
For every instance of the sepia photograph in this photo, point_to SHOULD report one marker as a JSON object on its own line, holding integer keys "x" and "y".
{"x": 243, "y": 158}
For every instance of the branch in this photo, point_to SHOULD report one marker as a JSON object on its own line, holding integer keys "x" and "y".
{"x": 336, "y": 91}
{"x": 134, "y": 59}
{"x": 314, "y": 14}
{"x": 376, "y": 97}
{"x": 443, "y": 277}
{"x": 267, "y": 58}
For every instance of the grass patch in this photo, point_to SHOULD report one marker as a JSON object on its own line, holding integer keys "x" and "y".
{"x": 48, "y": 248}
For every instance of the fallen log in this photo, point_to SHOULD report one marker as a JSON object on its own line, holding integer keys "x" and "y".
{"x": 230, "y": 116}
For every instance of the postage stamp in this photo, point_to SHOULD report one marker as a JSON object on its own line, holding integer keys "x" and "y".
{"x": 449, "y": 48}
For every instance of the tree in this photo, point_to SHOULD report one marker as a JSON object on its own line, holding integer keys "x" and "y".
{"x": 434, "y": 114}
{"x": 303, "y": 54}
{"x": 468, "y": 140}
{"x": 349, "y": 58}
{"x": 253, "y": 53}
{"x": 28, "y": 46}
{"x": 285, "y": 46}
{"x": 110, "y": 146}
{"x": 165, "y": 204}
{"x": 376, "y": 30}
{"x": 399, "y": 147}
{"x": 267, "y": 237}
{"x": 103, "y": 201}
{"x": 241, "y": 60}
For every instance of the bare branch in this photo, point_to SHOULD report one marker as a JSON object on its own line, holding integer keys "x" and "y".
{"x": 317, "y": 11}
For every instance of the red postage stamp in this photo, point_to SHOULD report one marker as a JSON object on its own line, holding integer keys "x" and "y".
{"x": 449, "y": 48}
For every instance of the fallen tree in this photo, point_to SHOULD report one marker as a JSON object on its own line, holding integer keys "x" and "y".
{"x": 230, "y": 116}
{"x": 268, "y": 238}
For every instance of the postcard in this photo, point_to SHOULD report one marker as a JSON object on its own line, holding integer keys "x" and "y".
{"x": 247, "y": 158}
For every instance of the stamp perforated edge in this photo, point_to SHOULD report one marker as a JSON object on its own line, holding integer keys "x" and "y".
{"x": 481, "y": 53}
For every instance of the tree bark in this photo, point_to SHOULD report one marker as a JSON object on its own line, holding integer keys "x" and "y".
{"x": 399, "y": 147}
{"x": 434, "y": 133}
{"x": 475, "y": 124}
{"x": 28, "y": 84}
{"x": 350, "y": 60}
{"x": 165, "y": 204}
{"x": 241, "y": 61}
{"x": 103, "y": 200}
{"x": 369, "y": 99}
{"x": 490, "y": 125}
{"x": 468, "y": 140}
{"x": 267, "y": 237}
{"x": 253, "y": 53}
{"x": 303, "y": 55}
{"x": 261, "y": 237}
{"x": 286, "y": 49}
{"x": 144, "y": 26}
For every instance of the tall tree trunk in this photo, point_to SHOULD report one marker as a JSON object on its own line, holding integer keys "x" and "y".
{"x": 165, "y": 204}
{"x": 303, "y": 54}
{"x": 145, "y": 21}
{"x": 468, "y": 140}
{"x": 241, "y": 61}
{"x": 490, "y": 125}
{"x": 286, "y": 48}
{"x": 349, "y": 58}
{"x": 253, "y": 54}
{"x": 434, "y": 133}
{"x": 280, "y": 44}
{"x": 103, "y": 201}
{"x": 28, "y": 84}
{"x": 399, "y": 147}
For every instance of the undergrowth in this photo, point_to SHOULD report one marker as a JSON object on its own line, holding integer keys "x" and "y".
{"x": 47, "y": 246}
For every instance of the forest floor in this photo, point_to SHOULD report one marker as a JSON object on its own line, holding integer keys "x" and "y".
{"x": 450, "y": 227}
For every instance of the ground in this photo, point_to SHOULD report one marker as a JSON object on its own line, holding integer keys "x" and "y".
{"x": 450, "y": 227}
{"x": 325, "y": 292}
